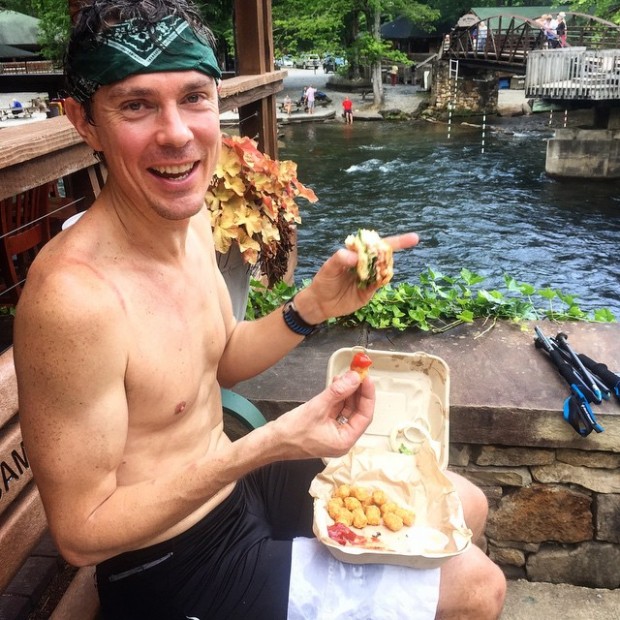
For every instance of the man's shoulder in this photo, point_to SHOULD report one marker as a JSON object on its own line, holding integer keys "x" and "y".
{"x": 64, "y": 277}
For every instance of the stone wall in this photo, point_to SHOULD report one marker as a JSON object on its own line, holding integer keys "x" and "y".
{"x": 474, "y": 93}
{"x": 554, "y": 513}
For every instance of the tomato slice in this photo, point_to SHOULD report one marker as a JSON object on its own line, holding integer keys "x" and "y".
{"x": 343, "y": 535}
{"x": 360, "y": 360}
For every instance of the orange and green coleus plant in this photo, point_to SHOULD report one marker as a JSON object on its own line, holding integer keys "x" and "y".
{"x": 252, "y": 203}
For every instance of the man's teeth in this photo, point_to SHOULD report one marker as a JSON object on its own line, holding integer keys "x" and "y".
{"x": 173, "y": 172}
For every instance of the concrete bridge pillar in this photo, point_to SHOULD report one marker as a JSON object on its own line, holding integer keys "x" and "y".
{"x": 584, "y": 153}
{"x": 475, "y": 92}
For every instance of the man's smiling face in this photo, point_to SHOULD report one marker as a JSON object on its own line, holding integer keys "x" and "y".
{"x": 160, "y": 136}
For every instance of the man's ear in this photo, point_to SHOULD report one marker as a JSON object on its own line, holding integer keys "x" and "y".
{"x": 77, "y": 115}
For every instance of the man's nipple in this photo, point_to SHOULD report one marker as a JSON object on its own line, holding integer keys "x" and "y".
{"x": 180, "y": 408}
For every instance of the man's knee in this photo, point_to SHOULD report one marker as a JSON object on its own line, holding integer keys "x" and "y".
{"x": 472, "y": 588}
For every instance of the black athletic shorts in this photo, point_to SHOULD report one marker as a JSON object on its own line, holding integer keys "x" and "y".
{"x": 234, "y": 564}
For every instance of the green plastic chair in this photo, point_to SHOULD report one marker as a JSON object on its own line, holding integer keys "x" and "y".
{"x": 242, "y": 410}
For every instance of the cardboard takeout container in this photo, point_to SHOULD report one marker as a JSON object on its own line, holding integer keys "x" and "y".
{"x": 404, "y": 452}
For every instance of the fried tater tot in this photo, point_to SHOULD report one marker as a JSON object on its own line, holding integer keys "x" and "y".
{"x": 334, "y": 505}
{"x": 344, "y": 490}
{"x": 360, "y": 493}
{"x": 392, "y": 521}
{"x": 388, "y": 507}
{"x": 373, "y": 515}
{"x": 344, "y": 516}
{"x": 408, "y": 516}
{"x": 351, "y": 503}
{"x": 359, "y": 518}
{"x": 379, "y": 498}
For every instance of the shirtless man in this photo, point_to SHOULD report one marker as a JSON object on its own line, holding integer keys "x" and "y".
{"x": 124, "y": 335}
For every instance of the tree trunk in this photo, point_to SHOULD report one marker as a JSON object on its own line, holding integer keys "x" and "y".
{"x": 377, "y": 82}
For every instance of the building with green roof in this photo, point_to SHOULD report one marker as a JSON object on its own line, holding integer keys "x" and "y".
{"x": 19, "y": 30}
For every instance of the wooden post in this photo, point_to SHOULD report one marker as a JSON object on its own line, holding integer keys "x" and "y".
{"x": 254, "y": 55}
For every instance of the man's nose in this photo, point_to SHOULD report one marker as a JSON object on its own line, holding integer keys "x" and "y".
{"x": 173, "y": 129}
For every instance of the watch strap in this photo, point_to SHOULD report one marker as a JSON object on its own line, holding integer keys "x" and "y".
{"x": 294, "y": 321}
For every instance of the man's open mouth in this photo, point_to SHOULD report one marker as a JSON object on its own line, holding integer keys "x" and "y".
{"x": 173, "y": 172}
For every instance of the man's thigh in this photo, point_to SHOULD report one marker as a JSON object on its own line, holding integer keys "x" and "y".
{"x": 283, "y": 492}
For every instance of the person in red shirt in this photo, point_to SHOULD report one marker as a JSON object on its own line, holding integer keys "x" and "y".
{"x": 347, "y": 106}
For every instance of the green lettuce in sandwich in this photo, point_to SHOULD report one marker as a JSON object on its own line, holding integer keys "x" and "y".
{"x": 375, "y": 261}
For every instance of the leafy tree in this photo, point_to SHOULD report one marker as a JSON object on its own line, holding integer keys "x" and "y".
{"x": 606, "y": 9}
{"x": 374, "y": 49}
{"x": 54, "y": 26}
{"x": 352, "y": 25}
{"x": 301, "y": 26}
{"x": 219, "y": 18}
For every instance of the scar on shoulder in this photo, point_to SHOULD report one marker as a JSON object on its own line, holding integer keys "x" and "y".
{"x": 180, "y": 408}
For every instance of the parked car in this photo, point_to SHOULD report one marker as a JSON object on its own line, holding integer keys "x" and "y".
{"x": 285, "y": 61}
{"x": 311, "y": 61}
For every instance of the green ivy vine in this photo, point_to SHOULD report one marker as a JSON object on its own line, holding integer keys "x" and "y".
{"x": 439, "y": 302}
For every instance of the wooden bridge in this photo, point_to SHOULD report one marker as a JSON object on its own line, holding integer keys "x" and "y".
{"x": 508, "y": 39}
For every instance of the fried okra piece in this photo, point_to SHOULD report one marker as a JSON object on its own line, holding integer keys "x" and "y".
{"x": 388, "y": 507}
{"x": 351, "y": 503}
{"x": 344, "y": 516}
{"x": 344, "y": 490}
{"x": 392, "y": 521}
{"x": 333, "y": 506}
{"x": 360, "y": 493}
{"x": 379, "y": 498}
{"x": 408, "y": 516}
{"x": 373, "y": 515}
{"x": 359, "y": 518}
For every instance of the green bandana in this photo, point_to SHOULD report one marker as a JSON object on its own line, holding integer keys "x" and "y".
{"x": 127, "y": 49}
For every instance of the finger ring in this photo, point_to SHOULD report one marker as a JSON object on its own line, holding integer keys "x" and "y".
{"x": 341, "y": 419}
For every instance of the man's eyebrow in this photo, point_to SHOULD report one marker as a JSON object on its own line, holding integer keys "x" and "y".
{"x": 119, "y": 90}
{"x": 122, "y": 91}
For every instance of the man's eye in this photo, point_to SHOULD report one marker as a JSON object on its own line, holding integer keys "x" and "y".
{"x": 198, "y": 98}
{"x": 133, "y": 106}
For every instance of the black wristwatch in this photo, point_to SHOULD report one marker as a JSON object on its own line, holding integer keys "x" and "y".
{"x": 294, "y": 322}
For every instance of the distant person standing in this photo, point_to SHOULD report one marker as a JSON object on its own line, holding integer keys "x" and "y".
{"x": 394, "y": 75}
{"x": 16, "y": 107}
{"x": 560, "y": 29}
{"x": 347, "y": 106}
{"x": 310, "y": 98}
{"x": 482, "y": 37}
{"x": 288, "y": 104}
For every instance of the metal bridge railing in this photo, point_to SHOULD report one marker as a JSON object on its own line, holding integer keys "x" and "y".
{"x": 573, "y": 74}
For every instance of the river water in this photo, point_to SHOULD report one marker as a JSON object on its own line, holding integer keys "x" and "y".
{"x": 493, "y": 212}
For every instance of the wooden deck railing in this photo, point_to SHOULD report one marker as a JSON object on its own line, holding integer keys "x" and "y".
{"x": 575, "y": 73}
{"x": 29, "y": 67}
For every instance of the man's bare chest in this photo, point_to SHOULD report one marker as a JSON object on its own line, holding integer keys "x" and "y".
{"x": 176, "y": 339}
